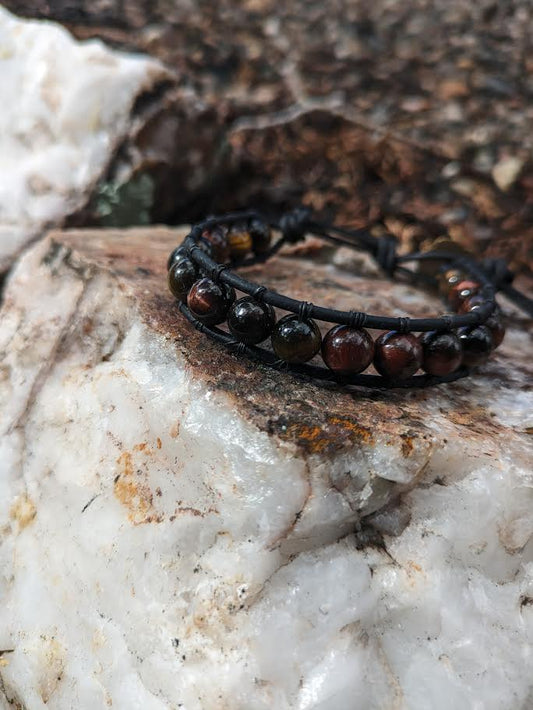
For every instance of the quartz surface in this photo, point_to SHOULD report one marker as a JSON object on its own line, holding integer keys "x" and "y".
{"x": 66, "y": 106}
{"x": 182, "y": 529}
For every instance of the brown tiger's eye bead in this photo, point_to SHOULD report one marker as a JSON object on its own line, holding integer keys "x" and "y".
{"x": 462, "y": 292}
{"x": 210, "y": 302}
{"x": 442, "y": 352}
{"x": 218, "y": 238}
{"x": 181, "y": 277}
{"x": 240, "y": 241}
{"x": 397, "y": 355}
{"x": 260, "y": 234}
{"x": 449, "y": 279}
{"x": 470, "y": 304}
{"x": 176, "y": 255}
{"x": 496, "y": 327}
{"x": 251, "y": 322}
{"x": 348, "y": 350}
{"x": 296, "y": 340}
{"x": 476, "y": 343}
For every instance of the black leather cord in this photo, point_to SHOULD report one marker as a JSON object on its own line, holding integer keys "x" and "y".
{"x": 492, "y": 276}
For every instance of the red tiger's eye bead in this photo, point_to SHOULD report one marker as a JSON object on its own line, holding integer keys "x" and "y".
{"x": 476, "y": 343}
{"x": 218, "y": 238}
{"x": 442, "y": 352}
{"x": 296, "y": 340}
{"x": 462, "y": 292}
{"x": 397, "y": 355}
{"x": 210, "y": 302}
{"x": 348, "y": 350}
{"x": 470, "y": 304}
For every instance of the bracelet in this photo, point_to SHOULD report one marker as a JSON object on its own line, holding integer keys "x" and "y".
{"x": 201, "y": 276}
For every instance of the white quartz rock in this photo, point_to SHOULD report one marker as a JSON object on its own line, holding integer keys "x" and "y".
{"x": 159, "y": 549}
{"x": 65, "y": 107}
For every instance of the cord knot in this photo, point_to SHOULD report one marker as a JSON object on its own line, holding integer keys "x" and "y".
{"x": 386, "y": 253}
{"x": 293, "y": 225}
{"x": 498, "y": 272}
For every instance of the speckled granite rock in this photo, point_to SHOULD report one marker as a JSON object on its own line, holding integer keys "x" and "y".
{"x": 66, "y": 106}
{"x": 180, "y": 528}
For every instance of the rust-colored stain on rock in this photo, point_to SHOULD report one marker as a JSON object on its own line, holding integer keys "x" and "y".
{"x": 23, "y": 511}
{"x": 134, "y": 494}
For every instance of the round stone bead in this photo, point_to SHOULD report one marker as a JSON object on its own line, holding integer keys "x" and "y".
{"x": 240, "y": 241}
{"x": 210, "y": 302}
{"x": 176, "y": 255}
{"x": 476, "y": 343}
{"x": 470, "y": 304}
{"x": 296, "y": 340}
{"x": 449, "y": 279}
{"x": 347, "y": 350}
{"x": 462, "y": 292}
{"x": 397, "y": 355}
{"x": 442, "y": 352}
{"x": 183, "y": 273}
{"x": 496, "y": 327}
{"x": 251, "y": 322}
{"x": 218, "y": 239}
{"x": 260, "y": 234}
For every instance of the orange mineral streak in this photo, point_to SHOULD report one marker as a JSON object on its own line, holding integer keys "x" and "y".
{"x": 133, "y": 492}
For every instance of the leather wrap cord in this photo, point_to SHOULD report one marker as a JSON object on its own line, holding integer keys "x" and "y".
{"x": 293, "y": 227}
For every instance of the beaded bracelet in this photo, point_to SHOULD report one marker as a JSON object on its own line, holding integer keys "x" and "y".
{"x": 202, "y": 278}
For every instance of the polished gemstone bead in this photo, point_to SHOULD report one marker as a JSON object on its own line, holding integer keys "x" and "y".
{"x": 251, "y": 322}
{"x": 175, "y": 256}
{"x": 347, "y": 350}
{"x": 476, "y": 343}
{"x": 497, "y": 329}
{"x": 261, "y": 235}
{"x": 218, "y": 238}
{"x": 449, "y": 279}
{"x": 181, "y": 277}
{"x": 296, "y": 340}
{"x": 210, "y": 302}
{"x": 462, "y": 292}
{"x": 397, "y": 355}
{"x": 240, "y": 241}
{"x": 442, "y": 352}
{"x": 470, "y": 304}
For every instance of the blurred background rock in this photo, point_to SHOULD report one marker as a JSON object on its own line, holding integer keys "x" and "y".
{"x": 367, "y": 110}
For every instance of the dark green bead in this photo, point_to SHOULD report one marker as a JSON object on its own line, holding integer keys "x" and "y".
{"x": 209, "y": 301}
{"x": 477, "y": 344}
{"x": 181, "y": 277}
{"x": 296, "y": 340}
{"x": 251, "y": 322}
{"x": 176, "y": 255}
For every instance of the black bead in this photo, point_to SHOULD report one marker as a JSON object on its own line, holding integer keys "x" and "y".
{"x": 261, "y": 235}
{"x": 442, "y": 352}
{"x": 477, "y": 344}
{"x": 296, "y": 340}
{"x": 183, "y": 273}
{"x": 175, "y": 256}
{"x": 251, "y": 322}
